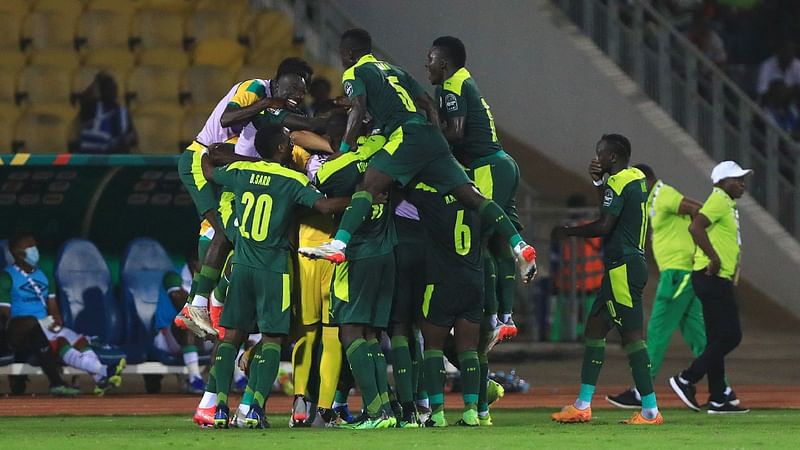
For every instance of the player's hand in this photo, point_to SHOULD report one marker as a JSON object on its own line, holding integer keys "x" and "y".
{"x": 712, "y": 269}
{"x": 244, "y": 360}
{"x": 342, "y": 101}
{"x": 57, "y": 324}
{"x": 277, "y": 103}
{"x": 381, "y": 198}
{"x": 595, "y": 170}
{"x": 217, "y": 153}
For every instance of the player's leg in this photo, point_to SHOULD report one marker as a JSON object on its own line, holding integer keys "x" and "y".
{"x": 330, "y": 360}
{"x": 433, "y": 366}
{"x": 692, "y": 325}
{"x": 307, "y": 328}
{"x": 467, "y": 334}
{"x": 376, "y": 279}
{"x": 248, "y": 362}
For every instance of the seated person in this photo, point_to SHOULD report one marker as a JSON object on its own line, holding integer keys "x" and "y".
{"x": 29, "y": 297}
{"x": 105, "y": 125}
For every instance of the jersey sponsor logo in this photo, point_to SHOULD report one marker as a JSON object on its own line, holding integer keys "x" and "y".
{"x": 450, "y": 102}
{"x": 608, "y": 197}
{"x": 261, "y": 180}
{"x": 348, "y": 88}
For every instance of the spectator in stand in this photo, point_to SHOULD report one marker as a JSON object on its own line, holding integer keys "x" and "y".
{"x": 780, "y": 108}
{"x": 28, "y": 295}
{"x": 784, "y": 66}
{"x": 105, "y": 125}
{"x": 320, "y": 91}
{"x": 707, "y": 40}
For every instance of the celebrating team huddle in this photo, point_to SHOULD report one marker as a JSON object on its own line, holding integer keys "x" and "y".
{"x": 394, "y": 215}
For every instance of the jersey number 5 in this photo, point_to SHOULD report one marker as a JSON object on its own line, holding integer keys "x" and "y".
{"x": 462, "y": 234}
{"x": 261, "y": 209}
{"x": 408, "y": 102}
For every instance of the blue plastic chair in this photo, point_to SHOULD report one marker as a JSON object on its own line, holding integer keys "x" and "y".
{"x": 85, "y": 299}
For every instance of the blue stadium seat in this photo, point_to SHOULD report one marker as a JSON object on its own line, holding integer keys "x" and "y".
{"x": 7, "y": 259}
{"x": 85, "y": 299}
{"x": 142, "y": 271}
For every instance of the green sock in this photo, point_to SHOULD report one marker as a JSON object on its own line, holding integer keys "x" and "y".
{"x": 202, "y": 247}
{"x": 594, "y": 354}
{"x": 221, "y": 291}
{"x": 268, "y": 371}
{"x": 363, "y": 368}
{"x": 506, "y": 282}
{"x": 341, "y": 396}
{"x": 252, "y": 378}
{"x": 434, "y": 378}
{"x": 639, "y": 361}
{"x": 381, "y": 379}
{"x": 209, "y": 277}
{"x": 211, "y": 384}
{"x": 490, "y": 284}
{"x": 193, "y": 288}
{"x": 226, "y": 358}
{"x": 402, "y": 369}
{"x": 492, "y": 214}
{"x": 470, "y": 378}
{"x": 483, "y": 368}
{"x": 354, "y": 215}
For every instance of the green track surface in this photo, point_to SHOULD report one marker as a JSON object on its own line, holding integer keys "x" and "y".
{"x": 512, "y": 429}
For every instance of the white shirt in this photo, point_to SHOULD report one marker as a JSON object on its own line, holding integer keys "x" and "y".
{"x": 246, "y": 146}
{"x": 770, "y": 71}
{"x": 213, "y": 132}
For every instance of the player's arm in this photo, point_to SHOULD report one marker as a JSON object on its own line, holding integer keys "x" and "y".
{"x": 689, "y": 207}
{"x": 355, "y": 119}
{"x": 297, "y": 122}
{"x": 598, "y": 228}
{"x": 221, "y": 154}
{"x": 426, "y": 103}
{"x": 453, "y": 129}
{"x": 332, "y": 205}
{"x": 52, "y": 305}
{"x": 700, "y": 237}
{"x": 239, "y": 115}
{"x": 311, "y": 141}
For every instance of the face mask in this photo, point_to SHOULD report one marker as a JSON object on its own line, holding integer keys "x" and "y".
{"x": 32, "y": 256}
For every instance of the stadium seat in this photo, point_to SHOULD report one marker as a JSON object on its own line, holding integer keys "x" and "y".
{"x": 12, "y": 16}
{"x": 164, "y": 57}
{"x": 85, "y": 75}
{"x": 251, "y": 71}
{"x": 9, "y": 115}
{"x": 270, "y": 29}
{"x": 158, "y": 132}
{"x": 112, "y": 5}
{"x": 43, "y": 132}
{"x": 173, "y": 6}
{"x": 215, "y": 24}
{"x": 219, "y": 52}
{"x": 153, "y": 28}
{"x": 8, "y": 85}
{"x": 119, "y": 61}
{"x": 193, "y": 122}
{"x": 51, "y": 25}
{"x": 12, "y": 59}
{"x": 142, "y": 271}
{"x": 104, "y": 28}
{"x": 238, "y": 6}
{"x": 266, "y": 56}
{"x": 46, "y": 89}
{"x": 155, "y": 87}
{"x": 85, "y": 296}
{"x": 207, "y": 84}
{"x": 56, "y": 59}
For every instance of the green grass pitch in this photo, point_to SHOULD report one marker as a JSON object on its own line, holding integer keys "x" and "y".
{"x": 513, "y": 429}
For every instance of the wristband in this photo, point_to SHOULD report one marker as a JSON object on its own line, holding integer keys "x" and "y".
{"x": 598, "y": 183}
{"x": 344, "y": 147}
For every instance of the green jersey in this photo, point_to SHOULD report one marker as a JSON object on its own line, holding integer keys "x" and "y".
{"x": 673, "y": 246}
{"x": 390, "y": 92}
{"x": 266, "y": 196}
{"x": 339, "y": 178}
{"x": 625, "y": 197}
{"x": 724, "y": 233}
{"x": 453, "y": 232}
{"x": 459, "y": 97}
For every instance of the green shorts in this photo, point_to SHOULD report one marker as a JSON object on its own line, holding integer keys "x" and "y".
{"x": 619, "y": 300}
{"x": 203, "y": 193}
{"x": 497, "y": 177}
{"x": 455, "y": 298}
{"x": 258, "y": 299}
{"x": 361, "y": 291}
{"x": 420, "y": 152}
{"x": 409, "y": 283}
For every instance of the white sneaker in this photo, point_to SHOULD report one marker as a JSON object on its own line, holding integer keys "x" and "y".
{"x": 325, "y": 251}
{"x": 200, "y": 318}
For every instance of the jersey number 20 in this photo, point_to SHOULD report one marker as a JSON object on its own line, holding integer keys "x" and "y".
{"x": 261, "y": 209}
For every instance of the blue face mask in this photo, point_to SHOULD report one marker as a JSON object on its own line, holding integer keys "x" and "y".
{"x": 32, "y": 256}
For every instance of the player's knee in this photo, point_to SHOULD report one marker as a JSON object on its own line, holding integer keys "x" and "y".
{"x": 629, "y": 337}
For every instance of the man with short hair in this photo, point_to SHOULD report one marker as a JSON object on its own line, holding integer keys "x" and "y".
{"x": 618, "y": 304}
{"x": 717, "y": 233}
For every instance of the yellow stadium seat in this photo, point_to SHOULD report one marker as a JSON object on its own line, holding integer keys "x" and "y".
{"x": 12, "y": 59}
{"x": 8, "y": 123}
{"x": 46, "y": 89}
{"x": 57, "y": 59}
{"x": 238, "y": 6}
{"x": 51, "y": 28}
{"x": 42, "y": 132}
{"x": 249, "y": 72}
{"x": 273, "y": 56}
{"x": 8, "y": 86}
{"x": 219, "y": 52}
{"x": 60, "y": 6}
{"x": 102, "y": 28}
{"x": 270, "y": 29}
{"x": 153, "y": 28}
{"x": 12, "y": 15}
{"x": 207, "y": 84}
{"x": 121, "y": 60}
{"x": 164, "y": 57}
{"x": 193, "y": 122}
{"x": 129, "y": 6}
{"x": 85, "y": 75}
{"x": 158, "y": 133}
{"x": 203, "y": 25}
{"x": 176, "y": 6}
{"x": 155, "y": 85}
